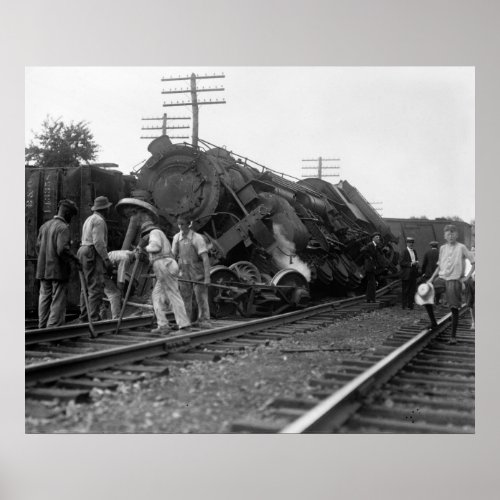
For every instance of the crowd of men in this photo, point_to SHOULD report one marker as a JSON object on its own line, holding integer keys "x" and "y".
{"x": 446, "y": 271}
{"x": 185, "y": 260}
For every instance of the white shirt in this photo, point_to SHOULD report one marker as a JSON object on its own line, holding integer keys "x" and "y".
{"x": 412, "y": 255}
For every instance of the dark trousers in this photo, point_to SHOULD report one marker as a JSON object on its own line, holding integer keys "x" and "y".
{"x": 371, "y": 287}
{"x": 52, "y": 303}
{"x": 93, "y": 270}
{"x": 409, "y": 287}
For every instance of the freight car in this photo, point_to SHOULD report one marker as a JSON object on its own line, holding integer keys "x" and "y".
{"x": 273, "y": 239}
{"x": 426, "y": 230}
{"x": 44, "y": 187}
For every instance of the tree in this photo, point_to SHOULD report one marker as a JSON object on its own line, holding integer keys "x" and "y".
{"x": 421, "y": 217}
{"x": 61, "y": 145}
{"x": 455, "y": 218}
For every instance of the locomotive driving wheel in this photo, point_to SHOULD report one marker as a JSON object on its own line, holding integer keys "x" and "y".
{"x": 222, "y": 301}
{"x": 298, "y": 294}
{"x": 247, "y": 272}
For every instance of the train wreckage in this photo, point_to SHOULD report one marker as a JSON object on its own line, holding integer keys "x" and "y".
{"x": 274, "y": 241}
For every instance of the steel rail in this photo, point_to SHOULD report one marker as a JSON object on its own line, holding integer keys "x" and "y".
{"x": 65, "y": 332}
{"x": 328, "y": 415}
{"x": 81, "y": 364}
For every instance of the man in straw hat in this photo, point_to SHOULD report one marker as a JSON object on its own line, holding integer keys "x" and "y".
{"x": 451, "y": 268}
{"x": 53, "y": 265}
{"x": 138, "y": 212}
{"x": 408, "y": 263}
{"x": 94, "y": 258}
{"x": 166, "y": 271}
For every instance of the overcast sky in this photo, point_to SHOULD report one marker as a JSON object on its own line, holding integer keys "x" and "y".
{"x": 404, "y": 135}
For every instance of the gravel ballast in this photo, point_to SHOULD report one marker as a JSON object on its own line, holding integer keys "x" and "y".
{"x": 207, "y": 397}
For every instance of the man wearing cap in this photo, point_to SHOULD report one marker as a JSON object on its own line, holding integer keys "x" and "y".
{"x": 191, "y": 252}
{"x": 166, "y": 272}
{"x": 372, "y": 251}
{"x": 408, "y": 262}
{"x": 53, "y": 265}
{"x": 451, "y": 268}
{"x": 93, "y": 255}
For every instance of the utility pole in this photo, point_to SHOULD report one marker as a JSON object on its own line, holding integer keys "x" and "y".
{"x": 194, "y": 103}
{"x": 164, "y": 127}
{"x": 320, "y": 168}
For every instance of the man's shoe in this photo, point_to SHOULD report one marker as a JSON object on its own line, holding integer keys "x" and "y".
{"x": 161, "y": 330}
{"x": 185, "y": 329}
{"x": 204, "y": 324}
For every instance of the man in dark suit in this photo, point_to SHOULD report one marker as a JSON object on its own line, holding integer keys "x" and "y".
{"x": 408, "y": 263}
{"x": 429, "y": 264}
{"x": 371, "y": 252}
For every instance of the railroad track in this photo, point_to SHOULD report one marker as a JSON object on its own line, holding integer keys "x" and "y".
{"x": 79, "y": 364}
{"x": 414, "y": 383}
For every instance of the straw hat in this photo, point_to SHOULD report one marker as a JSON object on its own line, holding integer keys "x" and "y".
{"x": 100, "y": 203}
{"x": 134, "y": 202}
{"x": 425, "y": 294}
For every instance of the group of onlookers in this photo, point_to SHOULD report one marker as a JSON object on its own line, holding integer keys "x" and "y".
{"x": 448, "y": 270}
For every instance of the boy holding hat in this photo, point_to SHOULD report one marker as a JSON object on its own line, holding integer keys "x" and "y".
{"x": 451, "y": 268}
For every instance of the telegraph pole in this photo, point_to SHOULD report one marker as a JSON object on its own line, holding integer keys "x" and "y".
{"x": 320, "y": 168}
{"x": 164, "y": 127}
{"x": 193, "y": 91}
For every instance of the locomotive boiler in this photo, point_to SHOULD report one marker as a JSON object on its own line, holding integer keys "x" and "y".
{"x": 300, "y": 237}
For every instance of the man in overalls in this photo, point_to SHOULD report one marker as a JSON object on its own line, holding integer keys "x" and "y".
{"x": 166, "y": 287}
{"x": 190, "y": 250}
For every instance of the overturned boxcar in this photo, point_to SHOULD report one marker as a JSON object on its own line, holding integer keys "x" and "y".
{"x": 262, "y": 227}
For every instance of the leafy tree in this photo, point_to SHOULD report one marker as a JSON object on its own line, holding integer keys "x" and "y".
{"x": 421, "y": 217}
{"x": 61, "y": 145}
{"x": 455, "y": 218}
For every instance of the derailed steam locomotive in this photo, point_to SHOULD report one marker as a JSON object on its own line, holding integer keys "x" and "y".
{"x": 299, "y": 237}
{"x": 273, "y": 241}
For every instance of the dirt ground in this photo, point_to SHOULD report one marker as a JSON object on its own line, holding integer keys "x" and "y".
{"x": 206, "y": 397}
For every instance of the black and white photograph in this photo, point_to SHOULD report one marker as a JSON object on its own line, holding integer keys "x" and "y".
{"x": 250, "y": 250}
{"x": 251, "y": 238}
